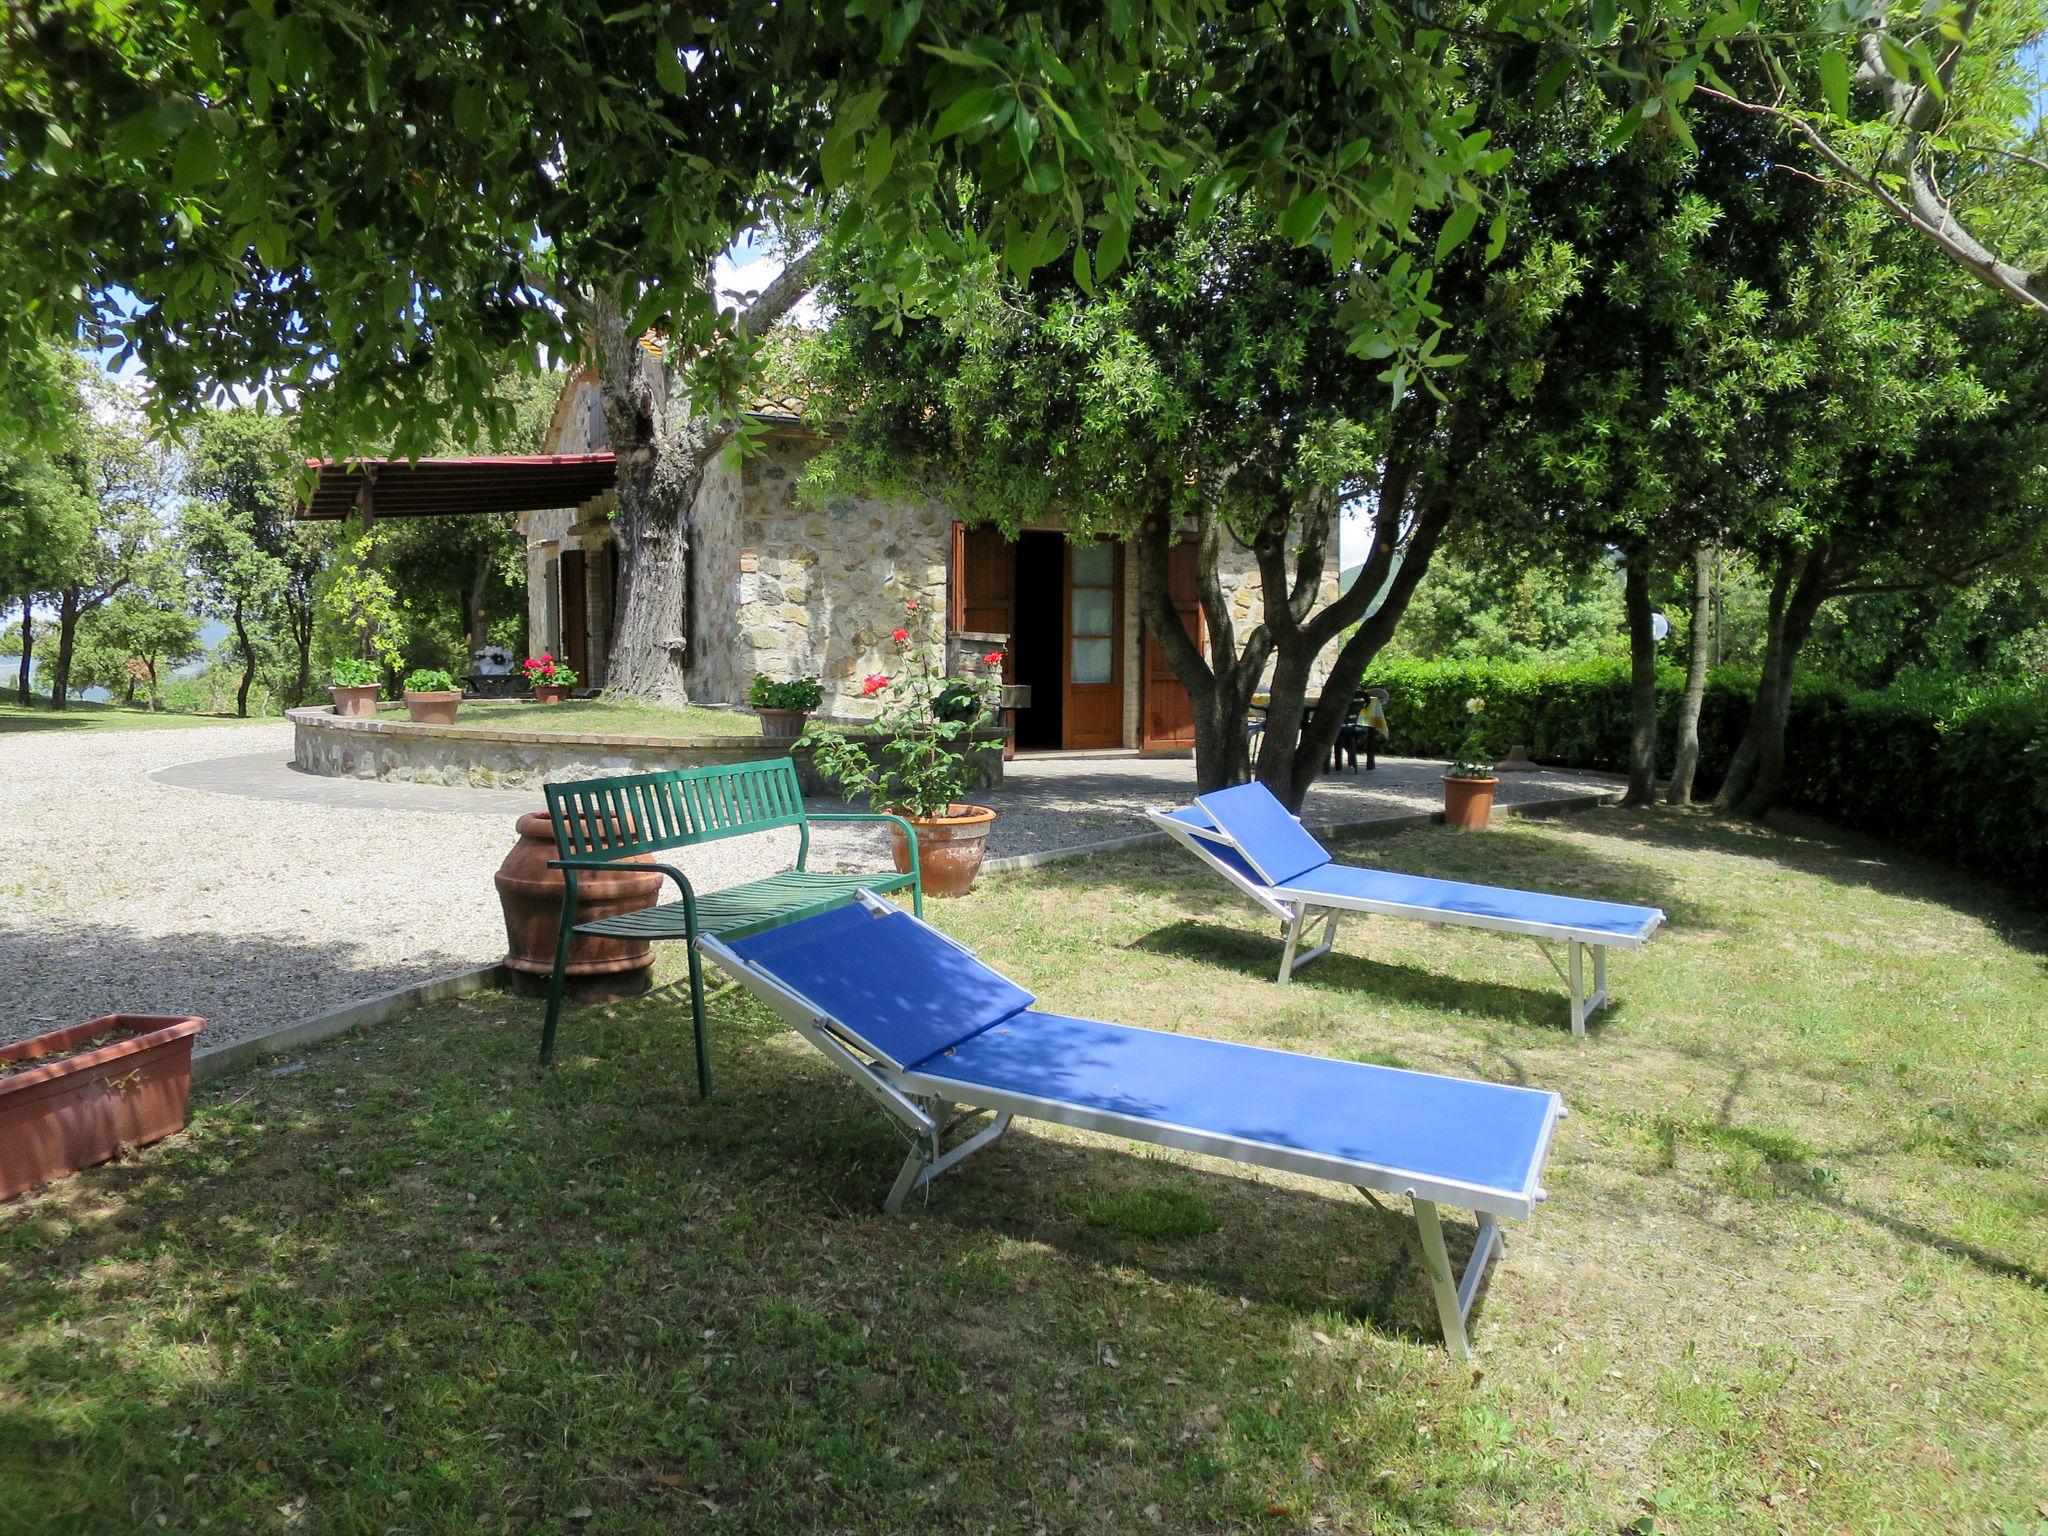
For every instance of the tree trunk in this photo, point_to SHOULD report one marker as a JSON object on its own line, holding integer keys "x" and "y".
{"x": 248, "y": 662}
{"x": 1294, "y": 632}
{"x": 67, "y": 638}
{"x": 473, "y": 602}
{"x": 1686, "y": 765}
{"x": 302, "y": 636}
{"x": 1756, "y": 773}
{"x": 28, "y": 644}
{"x": 1219, "y": 689}
{"x": 662, "y": 450}
{"x": 1642, "y": 680}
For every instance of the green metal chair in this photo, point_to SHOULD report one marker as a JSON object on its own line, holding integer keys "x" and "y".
{"x": 600, "y": 822}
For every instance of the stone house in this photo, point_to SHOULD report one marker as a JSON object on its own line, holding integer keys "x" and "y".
{"x": 790, "y": 588}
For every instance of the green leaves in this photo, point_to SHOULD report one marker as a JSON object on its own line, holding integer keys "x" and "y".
{"x": 971, "y": 108}
{"x": 199, "y": 160}
{"x": 1457, "y": 226}
{"x": 1304, "y": 214}
{"x": 1834, "y": 80}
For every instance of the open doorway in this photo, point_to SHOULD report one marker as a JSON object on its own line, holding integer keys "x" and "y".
{"x": 1037, "y": 640}
{"x": 1059, "y": 607}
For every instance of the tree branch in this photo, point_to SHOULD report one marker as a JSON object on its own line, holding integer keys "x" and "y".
{"x": 1922, "y": 208}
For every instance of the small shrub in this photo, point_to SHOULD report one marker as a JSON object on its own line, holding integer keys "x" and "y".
{"x": 1156, "y": 1211}
{"x": 348, "y": 672}
{"x": 429, "y": 680}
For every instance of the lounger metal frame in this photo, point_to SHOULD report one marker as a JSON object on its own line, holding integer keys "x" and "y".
{"x": 934, "y": 1109}
{"x": 1314, "y": 918}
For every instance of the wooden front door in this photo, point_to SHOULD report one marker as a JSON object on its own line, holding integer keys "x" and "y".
{"x": 1093, "y": 706}
{"x": 575, "y": 616}
{"x": 1169, "y": 714}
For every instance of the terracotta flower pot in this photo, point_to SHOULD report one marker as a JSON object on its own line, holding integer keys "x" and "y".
{"x": 782, "y": 724}
{"x": 949, "y": 847}
{"x": 550, "y": 693}
{"x": 357, "y": 702}
{"x": 1468, "y": 802}
{"x": 73, "y": 1107}
{"x": 436, "y": 708}
{"x": 531, "y": 894}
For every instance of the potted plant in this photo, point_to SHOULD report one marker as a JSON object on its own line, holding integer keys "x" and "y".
{"x": 784, "y": 707}
{"x": 916, "y": 758}
{"x": 1470, "y": 781}
{"x": 81, "y": 1095}
{"x": 431, "y": 697}
{"x": 550, "y": 679}
{"x": 354, "y": 684}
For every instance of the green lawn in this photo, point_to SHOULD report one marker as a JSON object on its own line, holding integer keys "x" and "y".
{"x": 601, "y": 717}
{"x": 79, "y": 715}
{"x": 1792, "y": 1276}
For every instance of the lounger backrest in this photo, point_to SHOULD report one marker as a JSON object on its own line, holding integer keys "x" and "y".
{"x": 894, "y": 986}
{"x": 1273, "y": 843}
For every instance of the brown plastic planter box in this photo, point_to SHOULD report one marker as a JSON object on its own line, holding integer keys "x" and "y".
{"x": 71, "y": 1111}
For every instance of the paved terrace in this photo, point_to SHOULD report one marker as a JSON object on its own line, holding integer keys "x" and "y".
{"x": 198, "y": 871}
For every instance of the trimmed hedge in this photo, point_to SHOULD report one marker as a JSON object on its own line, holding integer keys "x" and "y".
{"x": 1968, "y": 780}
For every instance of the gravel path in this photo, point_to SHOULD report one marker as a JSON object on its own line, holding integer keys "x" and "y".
{"x": 195, "y": 871}
{"x": 123, "y": 893}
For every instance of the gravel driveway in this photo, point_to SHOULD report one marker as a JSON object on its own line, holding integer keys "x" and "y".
{"x": 122, "y": 893}
{"x": 195, "y": 871}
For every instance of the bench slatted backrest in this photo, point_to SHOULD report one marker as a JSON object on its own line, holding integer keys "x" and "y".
{"x": 647, "y": 812}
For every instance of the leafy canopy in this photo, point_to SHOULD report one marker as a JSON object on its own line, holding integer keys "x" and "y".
{"x": 358, "y": 206}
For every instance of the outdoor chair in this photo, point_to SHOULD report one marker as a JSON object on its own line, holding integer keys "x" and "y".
{"x": 1350, "y": 735}
{"x": 925, "y": 1029}
{"x": 1249, "y": 838}
{"x": 599, "y": 822}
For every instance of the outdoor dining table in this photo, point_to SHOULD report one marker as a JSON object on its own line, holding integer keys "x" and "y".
{"x": 1262, "y": 701}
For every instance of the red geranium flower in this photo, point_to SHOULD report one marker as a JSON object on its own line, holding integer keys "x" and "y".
{"x": 873, "y": 684}
{"x": 899, "y": 636}
{"x": 992, "y": 659}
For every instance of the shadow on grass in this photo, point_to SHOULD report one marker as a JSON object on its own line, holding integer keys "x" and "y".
{"x": 417, "y": 1282}
{"x": 1373, "y": 981}
{"x": 1786, "y": 1167}
{"x": 21, "y": 721}
{"x": 1852, "y": 860}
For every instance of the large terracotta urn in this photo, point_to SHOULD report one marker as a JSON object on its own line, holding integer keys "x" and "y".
{"x": 949, "y": 847}
{"x": 531, "y": 893}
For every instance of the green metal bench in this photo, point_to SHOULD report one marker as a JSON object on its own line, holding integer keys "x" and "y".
{"x": 599, "y": 822}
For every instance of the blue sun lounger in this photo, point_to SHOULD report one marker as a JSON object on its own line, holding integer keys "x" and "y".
{"x": 1250, "y": 839}
{"x": 927, "y": 1030}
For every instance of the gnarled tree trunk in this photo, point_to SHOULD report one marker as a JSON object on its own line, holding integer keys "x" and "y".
{"x": 1685, "y": 766}
{"x": 1293, "y": 632}
{"x": 663, "y": 450}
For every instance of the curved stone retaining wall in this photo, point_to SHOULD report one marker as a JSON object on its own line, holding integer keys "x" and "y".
{"x": 482, "y": 757}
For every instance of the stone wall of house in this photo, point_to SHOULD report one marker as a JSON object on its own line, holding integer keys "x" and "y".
{"x": 719, "y": 664}
{"x": 819, "y": 586}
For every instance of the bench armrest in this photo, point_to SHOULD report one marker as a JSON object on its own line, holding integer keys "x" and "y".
{"x": 909, "y": 832}
{"x": 681, "y": 880}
